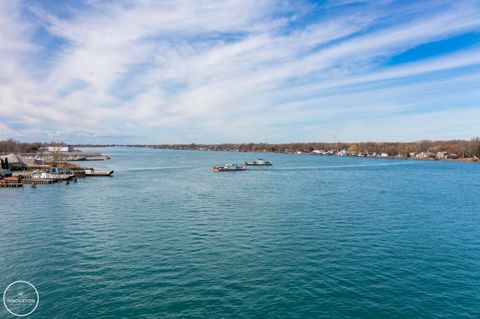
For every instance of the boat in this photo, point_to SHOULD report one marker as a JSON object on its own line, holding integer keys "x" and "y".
{"x": 78, "y": 172}
{"x": 53, "y": 173}
{"x": 93, "y": 172}
{"x": 229, "y": 168}
{"x": 259, "y": 162}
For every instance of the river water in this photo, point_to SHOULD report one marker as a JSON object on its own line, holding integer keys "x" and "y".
{"x": 309, "y": 237}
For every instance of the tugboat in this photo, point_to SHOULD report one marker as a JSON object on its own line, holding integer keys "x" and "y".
{"x": 259, "y": 162}
{"x": 229, "y": 168}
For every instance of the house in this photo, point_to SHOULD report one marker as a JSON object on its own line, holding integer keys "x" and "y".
{"x": 14, "y": 162}
{"x": 421, "y": 155}
{"x": 60, "y": 149}
{"x": 445, "y": 155}
{"x": 343, "y": 153}
{"x": 34, "y": 163}
{"x": 442, "y": 155}
{"x": 425, "y": 155}
{"x": 384, "y": 155}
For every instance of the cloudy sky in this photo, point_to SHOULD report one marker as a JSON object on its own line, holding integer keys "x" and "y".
{"x": 239, "y": 70}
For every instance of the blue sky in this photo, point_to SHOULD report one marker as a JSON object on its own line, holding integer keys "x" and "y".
{"x": 239, "y": 71}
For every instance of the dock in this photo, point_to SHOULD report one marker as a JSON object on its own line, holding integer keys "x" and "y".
{"x": 4, "y": 184}
{"x": 39, "y": 181}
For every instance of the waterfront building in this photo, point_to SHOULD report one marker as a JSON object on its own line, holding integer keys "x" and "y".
{"x": 14, "y": 161}
{"x": 60, "y": 149}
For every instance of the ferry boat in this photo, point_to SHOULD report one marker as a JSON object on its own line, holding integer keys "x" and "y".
{"x": 92, "y": 172}
{"x": 229, "y": 168}
{"x": 259, "y": 162}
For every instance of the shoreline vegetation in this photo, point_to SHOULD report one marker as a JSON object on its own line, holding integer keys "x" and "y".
{"x": 453, "y": 150}
{"x": 460, "y": 150}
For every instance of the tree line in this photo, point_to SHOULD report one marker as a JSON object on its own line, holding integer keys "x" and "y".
{"x": 463, "y": 148}
{"x": 14, "y": 146}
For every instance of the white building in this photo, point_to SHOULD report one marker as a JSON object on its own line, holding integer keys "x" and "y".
{"x": 60, "y": 149}
{"x": 442, "y": 155}
{"x": 424, "y": 155}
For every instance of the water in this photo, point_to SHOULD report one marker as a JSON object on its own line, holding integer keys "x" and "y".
{"x": 310, "y": 237}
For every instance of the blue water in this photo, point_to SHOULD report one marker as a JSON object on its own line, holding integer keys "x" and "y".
{"x": 310, "y": 237}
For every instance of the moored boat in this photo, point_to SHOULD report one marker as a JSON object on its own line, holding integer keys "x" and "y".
{"x": 229, "y": 168}
{"x": 93, "y": 172}
{"x": 53, "y": 173}
{"x": 259, "y": 162}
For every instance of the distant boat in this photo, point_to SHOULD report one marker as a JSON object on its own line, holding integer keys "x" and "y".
{"x": 92, "y": 172}
{"x": 259, "y": 162}
{"x": 229, "y": 168}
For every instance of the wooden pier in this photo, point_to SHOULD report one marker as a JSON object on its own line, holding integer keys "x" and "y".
{"x": 4, "y": 184}
{"x": 39, "y": 181}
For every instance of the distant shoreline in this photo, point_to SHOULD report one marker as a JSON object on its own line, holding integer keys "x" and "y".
{"x": 423, "y": 157}
{"x": 453, "y": 150}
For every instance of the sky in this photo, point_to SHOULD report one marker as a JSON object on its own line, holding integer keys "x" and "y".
{"x": 181, "y": 71}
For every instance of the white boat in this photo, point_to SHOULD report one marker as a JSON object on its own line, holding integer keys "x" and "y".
{"x": 53, "y": 173}
{"x": 93, "y": 172}
{"x": 259, "y": 162}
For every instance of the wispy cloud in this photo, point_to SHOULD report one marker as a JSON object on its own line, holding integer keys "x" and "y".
{"x": 237, "y": 70}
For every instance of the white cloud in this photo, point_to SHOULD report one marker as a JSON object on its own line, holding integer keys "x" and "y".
{"x": 210, "y": 71}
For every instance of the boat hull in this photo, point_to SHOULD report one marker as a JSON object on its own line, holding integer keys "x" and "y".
{"x": 223, "y": 169}
{"x": 100, "y": 174}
